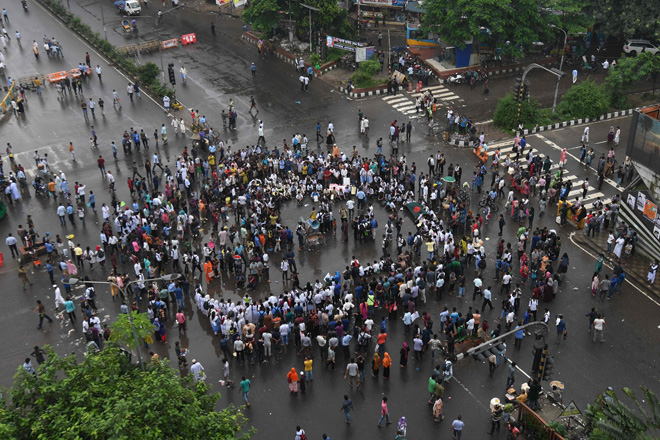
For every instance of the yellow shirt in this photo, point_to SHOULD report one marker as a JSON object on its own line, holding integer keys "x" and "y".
{"x": 308, "y": 365}
{"x": 429, "y": 246}
{"x": 78, "y": 251}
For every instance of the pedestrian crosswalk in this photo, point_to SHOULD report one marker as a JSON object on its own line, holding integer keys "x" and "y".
{"x": 440, "y": 92}
{"x": 405, "y": 102}
{"x": 576, "y": 191}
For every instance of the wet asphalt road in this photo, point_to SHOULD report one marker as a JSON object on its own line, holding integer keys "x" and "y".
{"x": 585, "y": 368}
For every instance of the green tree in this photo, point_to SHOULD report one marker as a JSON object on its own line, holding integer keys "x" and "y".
{"x": 105, "y": 397}
{"x": 649, "y": 65}
{"x": 521, "y": 22}
{"x": 611, "y": 419}
{"x": 506, "y": 113}
{"x": 620, "y": 78}
{"x": 584, "y": 100}
{"x": 263, "y": 14}
{"x": 628, "y": 18}
{"x": 122, "y": 332}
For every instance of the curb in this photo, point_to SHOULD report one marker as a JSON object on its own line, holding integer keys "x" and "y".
{"x": 285, "y": 56}
{"x": 363, "y": 93}
{"x": 572, "y": 122}
{"x": 632, "y": 277}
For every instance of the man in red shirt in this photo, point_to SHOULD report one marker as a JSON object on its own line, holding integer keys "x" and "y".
{"x": 101, "y": 163}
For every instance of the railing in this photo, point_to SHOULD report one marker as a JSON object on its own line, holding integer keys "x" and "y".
{"x": 533, "y": 424}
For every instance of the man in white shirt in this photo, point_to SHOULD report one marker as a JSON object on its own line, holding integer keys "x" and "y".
{"x": 598, "y": 328}
{"x": 197, "y": 370}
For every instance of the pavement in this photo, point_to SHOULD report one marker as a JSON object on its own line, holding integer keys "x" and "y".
{"x": 218, "y": 72}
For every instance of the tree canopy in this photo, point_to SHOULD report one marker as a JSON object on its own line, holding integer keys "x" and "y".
{"x": 105, "y": 396}
{"x": 630, "y": 18}
{"x": 521, "y": 22}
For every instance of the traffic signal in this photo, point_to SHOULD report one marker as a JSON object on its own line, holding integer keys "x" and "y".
{"x": 525, "y": 91}
{"x": 170, "y": 72}
{"x": 537, "y": 363}
{"x": 547, "y": 367}
{"x": 517, "y": 89}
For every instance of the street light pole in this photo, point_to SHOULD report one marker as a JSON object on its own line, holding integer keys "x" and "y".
{"x": 160, "y": 43}
{"x": 105, "y": 31}
{"x": 561, "y": 65}
{"x": 310, "y": 8}
{"x": 169, "y": 277}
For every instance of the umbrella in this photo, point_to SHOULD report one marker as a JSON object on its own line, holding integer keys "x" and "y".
{"x": 70, "y": 236}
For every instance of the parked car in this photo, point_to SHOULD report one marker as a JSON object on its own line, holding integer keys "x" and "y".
{"x": 634, "y": 47}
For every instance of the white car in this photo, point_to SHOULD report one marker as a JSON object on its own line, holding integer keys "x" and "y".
{"x": 634, "y": 47}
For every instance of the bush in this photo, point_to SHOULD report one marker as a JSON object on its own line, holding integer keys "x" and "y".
{"x": 148, "y": 73}
{"x": 506, "y": 114}
{"x": 369, "y": 68}
{"x": 585, "y": 100}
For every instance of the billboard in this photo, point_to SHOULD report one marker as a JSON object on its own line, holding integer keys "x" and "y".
{"x": 644, "y": 141}
{"x": 340, "y": 43}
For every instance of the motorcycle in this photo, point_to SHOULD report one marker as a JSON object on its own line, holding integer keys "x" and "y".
{"x": 456, "y": 79}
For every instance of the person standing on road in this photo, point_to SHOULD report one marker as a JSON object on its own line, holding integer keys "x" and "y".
{"x": 585, "y": 135}
{"x": 22, "y": 274}
{"x": 495, "y": 418}
{"x": 510, "y": 375}
{"x": 130, "y": 90}
{"x": 352, "y": 373}
{"x": 457, "y": 428}
{"x": 98, "y": 72}
{"x": 38, "y": 353}
{"x": 12, "y": 243}
{"x": 591, "y": 316}
{"x": 560, "y": 324}
{"x": 300, "y": 434}
{"x": 245, "y": 389}
{"x": 347, "y": 406}
{"x": 384, "y": 413}
{"x": 292, "y": 378}
{"x": 41, "y": 309}
{"x": 598, "y": 328}
{"x": 253, "y": 69}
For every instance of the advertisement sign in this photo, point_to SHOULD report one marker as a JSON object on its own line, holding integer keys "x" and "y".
{"x": 363, "y": 53}
{"x": 384, "y": 3}
{"x": 340, "y": 43}
{"x": 237, "y": 3}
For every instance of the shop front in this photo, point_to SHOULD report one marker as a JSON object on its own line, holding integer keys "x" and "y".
{"x": 379, "y": 12}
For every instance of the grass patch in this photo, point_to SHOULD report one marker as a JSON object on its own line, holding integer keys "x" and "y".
{"x": 369, "y": 82}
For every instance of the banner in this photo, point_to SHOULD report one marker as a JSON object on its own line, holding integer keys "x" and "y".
{"x": 363, "y": 53}
{"x": 237, "y": 3}
{"x": 340, "y": 43}
{"x": 383, "y": 3}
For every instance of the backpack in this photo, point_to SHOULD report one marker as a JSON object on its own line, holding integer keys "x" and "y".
{"x": 100, "y": 254}
{"x": 92, "y": 293}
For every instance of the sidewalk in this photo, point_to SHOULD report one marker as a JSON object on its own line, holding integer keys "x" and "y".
{"x": 636, "y": 266}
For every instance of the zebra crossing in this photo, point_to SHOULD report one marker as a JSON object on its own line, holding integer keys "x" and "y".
{"x": 405, "y": 102}
{"x": 576, "y": 191}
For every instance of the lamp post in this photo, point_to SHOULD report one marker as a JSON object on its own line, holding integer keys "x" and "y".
{"x": 563, "y": 51}
{"x": 168, "y": 277}
{"x": 561, "y": 64}
{"x": 160, "y": 44}
{"x": 310, "y": 8}
{"x": 105, "y": 31}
